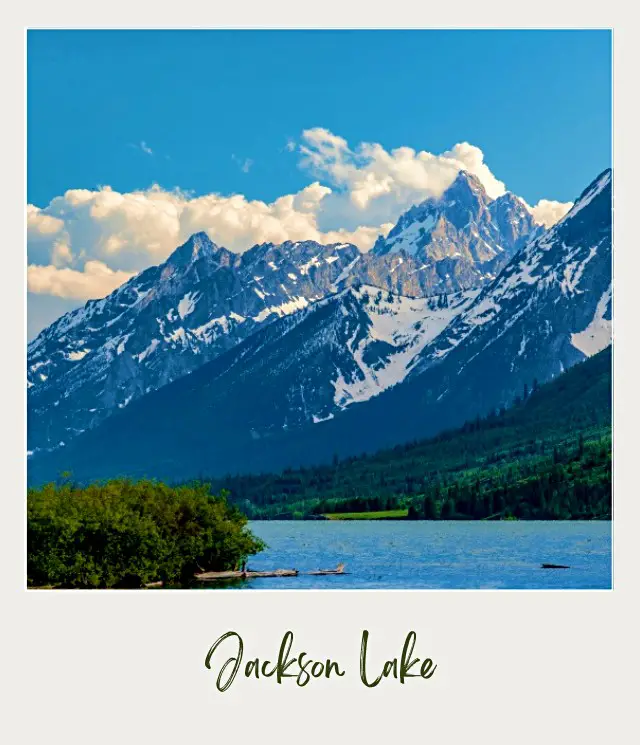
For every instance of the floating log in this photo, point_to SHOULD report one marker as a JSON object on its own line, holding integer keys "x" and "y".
{"x": 249, "y": 574}
{"x": 212, "y": 576}
{"x": 555, "y": 566}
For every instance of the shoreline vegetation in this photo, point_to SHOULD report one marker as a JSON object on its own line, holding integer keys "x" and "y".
{"x": 126, "y": 534}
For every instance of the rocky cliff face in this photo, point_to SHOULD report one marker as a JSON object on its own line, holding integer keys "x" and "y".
{"x": 457, "y": 242}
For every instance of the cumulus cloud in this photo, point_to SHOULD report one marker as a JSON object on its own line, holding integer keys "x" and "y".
{"x": 41, "y": 224}
{"x": 128, "y": 232}
{"x": 85, "y": 242}
{"x": 95, "y": 281}
{"x": 405, "y": 175}
{"x": 548, "y": 212}
{"x": 373, "y": 186}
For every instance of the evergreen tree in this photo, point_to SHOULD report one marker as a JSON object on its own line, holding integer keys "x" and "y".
{"x": 430, "y": 509}
{"x": 448, "y": 509}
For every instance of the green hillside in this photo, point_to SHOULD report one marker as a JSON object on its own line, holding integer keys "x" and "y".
{"x": 546, "y": 457}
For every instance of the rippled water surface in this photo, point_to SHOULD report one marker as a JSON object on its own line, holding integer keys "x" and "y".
{"x": 429, "y": 555}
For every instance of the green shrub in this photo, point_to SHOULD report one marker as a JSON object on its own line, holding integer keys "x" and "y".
{"x": 126, "y": 534}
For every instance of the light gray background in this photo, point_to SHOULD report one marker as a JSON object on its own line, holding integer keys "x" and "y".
{"x": 513, "y": 667}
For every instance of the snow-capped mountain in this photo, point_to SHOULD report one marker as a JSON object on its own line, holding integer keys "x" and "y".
{"x": 303, "y": 369}
{"x": 165, "y": 322}
{"x": 458, "y": 241}
{"x": 551, "y": 306}
{"x": 547, "y": 310}
{"x": 171, "y": 319}
{"x": 287, "y": 395}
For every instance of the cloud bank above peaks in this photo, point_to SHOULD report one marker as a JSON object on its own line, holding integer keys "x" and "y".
{"x": 375, "y": 185}
{"x": 370, "y": 172}
{"x": 85, "y": 243}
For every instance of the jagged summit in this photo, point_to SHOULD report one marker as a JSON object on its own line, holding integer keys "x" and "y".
{"x": 467, "y": 185}
{"x": 450, "y": 243}
{"x": 295, "y": 251}
{"x": 462, "y": 218}
{"x": 198, "y": 246}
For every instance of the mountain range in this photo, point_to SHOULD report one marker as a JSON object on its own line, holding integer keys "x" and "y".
{"x": 289, "y": 355}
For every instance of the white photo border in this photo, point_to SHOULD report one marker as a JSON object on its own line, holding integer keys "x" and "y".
{"x": 513, "y": 666}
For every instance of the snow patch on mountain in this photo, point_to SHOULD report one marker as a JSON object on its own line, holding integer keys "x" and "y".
{"x": 408, "y": 240}
{"x": 316, "y": 419}
{"x": 148, "y": 350}
{"x": 122, "y": 344}
{"x": 573, "y": 272}
{"x": 304, "y": 268}
{"x": 404, "y": 326}
{"x": 187, "y": 305}
{"x": 597, "y": 335}
{"x": 284, "y": 309}
{"x": 77, "y": 355}
{"x": 344, "y": 274}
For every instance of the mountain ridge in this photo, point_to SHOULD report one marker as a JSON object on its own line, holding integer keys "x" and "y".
{"x": 203, "y": 300}
{"x": 517, "y": 329}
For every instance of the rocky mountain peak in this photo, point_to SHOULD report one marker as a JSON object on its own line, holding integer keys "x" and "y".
{"x": 451, "y": 243}
{"x": 466, "y": 186}
{"x": 198, "y": 246}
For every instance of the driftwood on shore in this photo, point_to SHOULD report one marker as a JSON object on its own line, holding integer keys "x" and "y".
{"x": 249, "y": 574}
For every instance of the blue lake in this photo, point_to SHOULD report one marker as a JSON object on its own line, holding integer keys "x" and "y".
{"x": 434, "y": 555}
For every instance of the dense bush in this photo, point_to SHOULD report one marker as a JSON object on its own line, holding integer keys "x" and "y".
{"x": 127, "y": 534}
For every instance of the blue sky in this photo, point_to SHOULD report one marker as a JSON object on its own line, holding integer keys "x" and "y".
{"x": 224, "y": 112}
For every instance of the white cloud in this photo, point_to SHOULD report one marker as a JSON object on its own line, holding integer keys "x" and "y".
{"x": 85, "y": 242}
{"x": 373, "y": 186}
{"x": 128, "y": 232}
{"x": 145, "y": 148}
{"x": 243, "y": 163}
{"x": 95, "y": 281}
{"x": 549, "y": 212}
{"x": 41, "y": 224}
{"x": 399, "y": 178}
